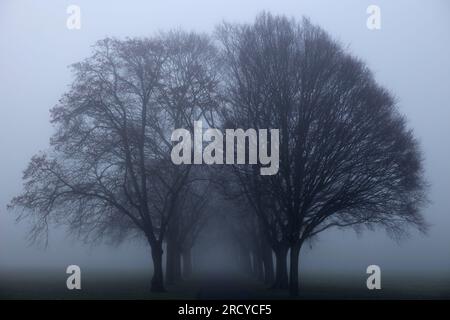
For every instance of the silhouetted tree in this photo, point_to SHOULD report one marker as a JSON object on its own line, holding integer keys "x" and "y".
{"x": 347, "y": 158}
{"x": 108, "y": 171}
{"x": 190, "y": 219}
{"x": 194, "y": 219}
{"x": 255, "y": 254}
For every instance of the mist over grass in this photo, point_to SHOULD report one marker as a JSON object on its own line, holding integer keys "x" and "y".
{"x": 409, "y": 55}
{"x": 134, "y": 284}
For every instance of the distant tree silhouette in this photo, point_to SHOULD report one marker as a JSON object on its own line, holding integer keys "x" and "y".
{"x": 108, "y": 172}
{"x": 347, "y": 158}
{"x": 255, "y": 254}
{"x": 191, "y": 217}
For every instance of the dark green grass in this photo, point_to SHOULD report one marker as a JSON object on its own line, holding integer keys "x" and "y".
{"x": 51, "y": 284}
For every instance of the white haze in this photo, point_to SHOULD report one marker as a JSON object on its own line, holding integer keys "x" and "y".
{"x": 410, "y": 55}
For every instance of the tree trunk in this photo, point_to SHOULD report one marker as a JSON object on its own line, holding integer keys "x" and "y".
{"x": 269, "y": 275}
{"x": 245, "y": 259}
{"x": 281, "y": 275}
{"x": 187, "y": 263}
{"x": 177, "y": 264}
{"x": 257, "y": 265}
{"x": 170, "y": 261}
{"x": 173, "y": 262}
{"x": 157, "y": 284}
{"x": 293, "y": 270}
{"x": 173, "y": 258}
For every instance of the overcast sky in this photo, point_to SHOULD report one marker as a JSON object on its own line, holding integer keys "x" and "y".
{"x": 410, "y": 56}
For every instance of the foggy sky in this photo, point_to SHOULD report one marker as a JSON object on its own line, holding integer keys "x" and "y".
{"x": 410, "y": 56}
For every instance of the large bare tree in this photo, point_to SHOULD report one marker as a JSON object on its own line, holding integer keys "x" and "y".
{"x": 108, "y": 171}
{"x": 347, "y": 158}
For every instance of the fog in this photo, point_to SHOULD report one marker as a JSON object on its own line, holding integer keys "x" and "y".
{"x": 410, "y": 56}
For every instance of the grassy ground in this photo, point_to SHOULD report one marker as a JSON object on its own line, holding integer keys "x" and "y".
{"x": 51, "y": 284}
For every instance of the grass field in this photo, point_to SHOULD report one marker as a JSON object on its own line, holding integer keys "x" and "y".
{"x": 51, "y": 284}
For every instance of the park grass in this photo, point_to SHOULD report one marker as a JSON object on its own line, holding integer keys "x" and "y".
{"x": 135, "y": 284}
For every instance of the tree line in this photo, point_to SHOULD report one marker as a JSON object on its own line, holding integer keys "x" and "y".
{"x": 347, "y": 158}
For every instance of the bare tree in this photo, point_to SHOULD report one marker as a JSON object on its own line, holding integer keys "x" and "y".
{"x": 108, "y": 171}
{"x": 190, "y": 219}
{"x": 255, "y": 254}
{"x": 347, "y": 158}
{"x": 194, "y": 218}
